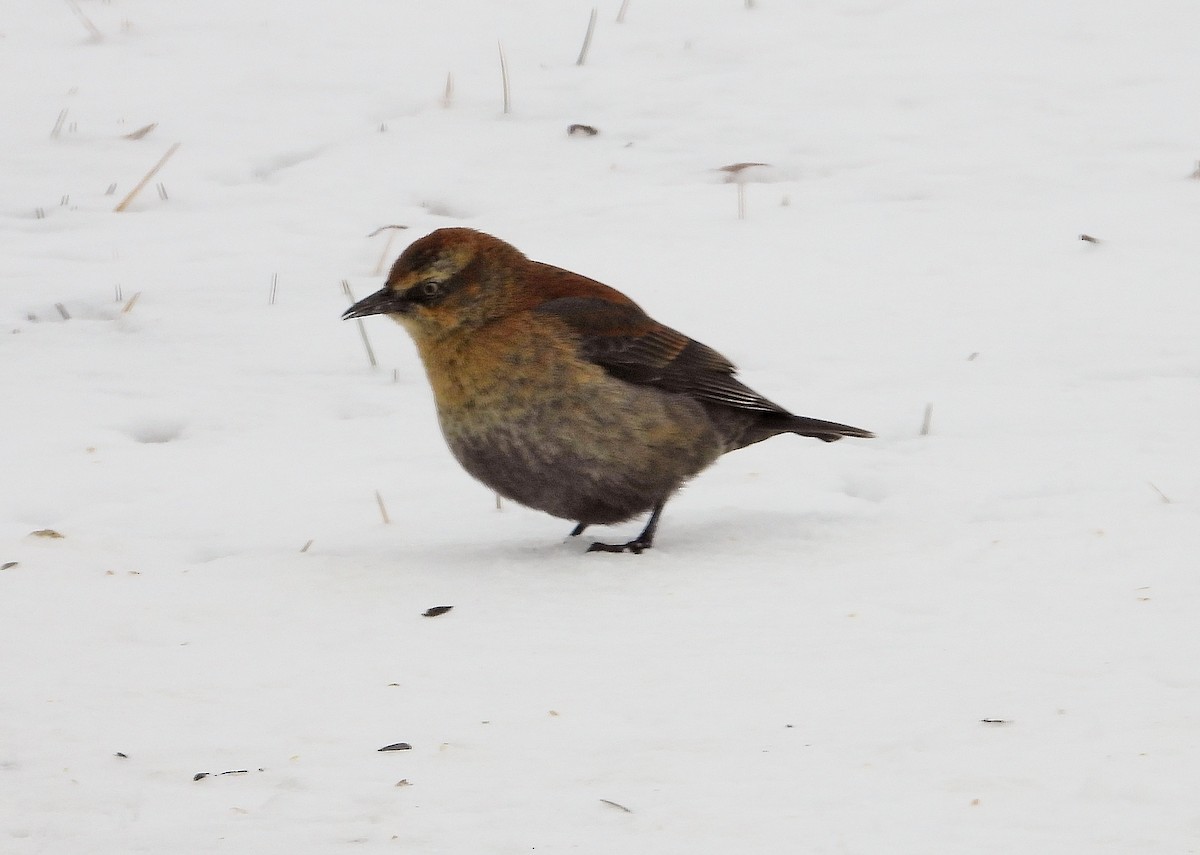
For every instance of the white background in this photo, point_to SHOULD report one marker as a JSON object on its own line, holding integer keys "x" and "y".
{"x": 804, "y": 661}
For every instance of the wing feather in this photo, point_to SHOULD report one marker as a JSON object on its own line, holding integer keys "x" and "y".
{"x": 631, "y": 345}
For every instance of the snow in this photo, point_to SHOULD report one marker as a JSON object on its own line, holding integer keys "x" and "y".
{"x": 977, "y": 640}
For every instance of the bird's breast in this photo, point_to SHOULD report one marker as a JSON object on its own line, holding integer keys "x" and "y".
{"x": 523, "y": 412}
{"x": 505, "y": 371}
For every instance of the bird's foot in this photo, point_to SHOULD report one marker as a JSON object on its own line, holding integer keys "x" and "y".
{"x": 637, "y": 546}
{"x": 634, "y": 546}
{"x": 578, "y": 530}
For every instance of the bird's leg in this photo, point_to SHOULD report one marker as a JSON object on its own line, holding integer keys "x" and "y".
{"x": 578, "y": 530}
{"x": 644, "y": 540}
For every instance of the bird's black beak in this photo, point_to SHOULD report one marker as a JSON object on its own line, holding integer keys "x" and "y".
{"x": 382, "y": 302}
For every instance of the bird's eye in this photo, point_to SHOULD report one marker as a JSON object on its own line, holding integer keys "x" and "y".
{"x": 431, "y": 289}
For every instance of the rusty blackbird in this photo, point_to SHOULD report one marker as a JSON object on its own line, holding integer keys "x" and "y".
{"x": 559, "y": 392}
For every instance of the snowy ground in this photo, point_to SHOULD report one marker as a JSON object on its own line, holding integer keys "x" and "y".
{"x": 806, "y": 660}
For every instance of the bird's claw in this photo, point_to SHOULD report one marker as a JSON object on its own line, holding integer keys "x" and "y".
{"x": 634, "y": 546}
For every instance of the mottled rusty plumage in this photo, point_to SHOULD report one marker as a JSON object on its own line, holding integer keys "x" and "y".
{"x": 559, "y": 392}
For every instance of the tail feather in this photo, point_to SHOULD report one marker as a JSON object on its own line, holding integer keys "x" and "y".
{"x": 740, "y": 428}
{"x": 823, "y": 430}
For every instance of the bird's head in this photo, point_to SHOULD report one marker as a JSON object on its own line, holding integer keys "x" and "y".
{"x": 449, "y": 281}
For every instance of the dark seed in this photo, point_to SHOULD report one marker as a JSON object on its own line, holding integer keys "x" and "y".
{"x": 397, "y": 746}
{"x": 435, "y": 611}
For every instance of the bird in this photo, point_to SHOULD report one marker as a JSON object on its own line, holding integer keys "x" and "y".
{"x": 559, "y": 392}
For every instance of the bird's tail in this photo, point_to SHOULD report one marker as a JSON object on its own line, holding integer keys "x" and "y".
{"x": 740, "y": 428}
{"x": 823, "y": 430}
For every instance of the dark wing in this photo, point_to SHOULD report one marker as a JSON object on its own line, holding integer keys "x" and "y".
{"x": 629, "y": 344}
